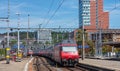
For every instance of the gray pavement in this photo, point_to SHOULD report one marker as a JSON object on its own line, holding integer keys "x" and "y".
{"x": 114, "y": 65}
{"x": 13, "y": 66}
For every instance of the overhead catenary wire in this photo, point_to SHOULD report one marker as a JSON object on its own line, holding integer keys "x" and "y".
{"x": 116, "y": 6}
{"x": 55, "y": 12}
{"x": 50, "y": 8}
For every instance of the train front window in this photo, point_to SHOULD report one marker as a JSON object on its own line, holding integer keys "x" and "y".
{"x": 69, "y": 49}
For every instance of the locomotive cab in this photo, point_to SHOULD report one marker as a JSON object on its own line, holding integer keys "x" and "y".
{"x": 69, "y": 53}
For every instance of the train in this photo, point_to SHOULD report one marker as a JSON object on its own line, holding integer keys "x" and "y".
{"x": 30, "y": 52}
{"x": 65, "y": 53}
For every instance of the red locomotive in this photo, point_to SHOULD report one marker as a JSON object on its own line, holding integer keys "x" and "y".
{"x": 65, "y": 53}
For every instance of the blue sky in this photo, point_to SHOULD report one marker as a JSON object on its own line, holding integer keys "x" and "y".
{"x": 66, "y": 16}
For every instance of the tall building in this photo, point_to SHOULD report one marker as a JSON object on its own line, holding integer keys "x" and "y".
{"x": 84, "y": 12}
{"x": 92, "y": 14}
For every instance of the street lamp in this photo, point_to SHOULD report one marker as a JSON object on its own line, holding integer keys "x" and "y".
{"x": 8, "y": 49}
{"x": 8, "y": 23}
{"x": 18, "y": 14}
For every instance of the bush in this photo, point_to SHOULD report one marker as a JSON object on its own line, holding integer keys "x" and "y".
{"x": 2, "y": 52}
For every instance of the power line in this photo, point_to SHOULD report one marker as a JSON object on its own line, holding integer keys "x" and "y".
{"x": 115, "y": 6}
{"x": 51, "y": 5}
{"x": 54, "y": 12}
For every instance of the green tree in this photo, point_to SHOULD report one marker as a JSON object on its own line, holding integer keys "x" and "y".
{"x": 91, "y": 47}
{"x": 90, "y": 43}
{"x": 79, "y": 37}
{"x": 12, "y": 42}
{"x": 59, "y": 36}
{"x": 106, "y": 48}
{"x": 24, "y": 43}
{"x": 47, "y": 43}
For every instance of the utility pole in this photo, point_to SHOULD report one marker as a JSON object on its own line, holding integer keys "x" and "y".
{"x": 57, "y": 37}
{"x": 62, "y": 36}
{"x": 28, "y": 30}
{"x": 38, "y": 36}
{"x": 79, "y": 14}
{"x": 18, "y": 14}
{"x": 8, "y": 24}
{"x": 97, "y": 48}
{"x": 100, "y": 39}
{"x": 39, "y": 32}
{"x": 8, "y": 47}
{"x": 83, "y": 42}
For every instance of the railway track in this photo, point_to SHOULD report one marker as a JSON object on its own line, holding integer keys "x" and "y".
{"x": 48, "y": 66}
{"x": 84, "y": 67}
{"x": 36, "y": 64}
{"x": 43, "y": 64}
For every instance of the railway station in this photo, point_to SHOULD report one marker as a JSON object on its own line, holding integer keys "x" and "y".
{"x": 59, "y": 35}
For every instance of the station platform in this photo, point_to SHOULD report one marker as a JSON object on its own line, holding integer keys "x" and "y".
{"x": 109, "y": 64}
{"x": 14, "y": 66}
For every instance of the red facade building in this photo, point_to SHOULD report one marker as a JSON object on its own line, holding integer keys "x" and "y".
{"x": 103, "y": 17}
